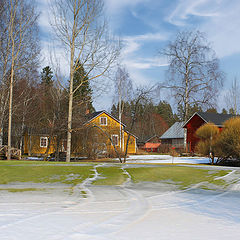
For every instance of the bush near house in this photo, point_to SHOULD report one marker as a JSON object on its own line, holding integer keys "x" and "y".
{"x": 208, "y": 134}
{"x": 224, "y": 144}
{"x": 228, "y": 143}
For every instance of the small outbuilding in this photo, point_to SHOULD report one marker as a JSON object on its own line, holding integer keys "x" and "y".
{"x": 173, "y": 137}
{"x": 151, "y": 147}
{"x": 150, "y": 144}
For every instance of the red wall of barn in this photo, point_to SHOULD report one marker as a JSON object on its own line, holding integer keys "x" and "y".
{"x": 192, "y": 126}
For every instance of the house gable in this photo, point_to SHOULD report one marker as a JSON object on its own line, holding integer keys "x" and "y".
{"x": 112, "y": 129}
{"x": 95, "y": 118}
{"x": 216, "y": 118}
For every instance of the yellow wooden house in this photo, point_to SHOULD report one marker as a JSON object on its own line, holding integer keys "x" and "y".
{"x": 106, "y": 130}
{"x": 36, "y": 143}
{"x": 114, "y": 131}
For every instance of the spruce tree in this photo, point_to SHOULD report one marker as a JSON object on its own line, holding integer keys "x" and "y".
{"x": 82, "y": 98}
{"x": 47, "y": 76}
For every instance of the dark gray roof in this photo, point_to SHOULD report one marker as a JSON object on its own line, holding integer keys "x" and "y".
{"x": 175, "y": 131}
{"x": 216, "y": 118}
{"x": 90, "y": 116}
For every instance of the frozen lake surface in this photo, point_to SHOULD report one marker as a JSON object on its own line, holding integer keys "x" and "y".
{"x": 127, "y": 212}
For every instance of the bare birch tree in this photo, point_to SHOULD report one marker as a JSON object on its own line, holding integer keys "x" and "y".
{"x": 123, "y": 85}
{"x": 193, "y": 75}
{"x": 22, "y": 21}
{"x": 232, "y": 97}
{"x": 4, "y": 64}
{"x": 80, "y": 26}
{"x": 141, "y": 95}
{"x": 18, "y": 49}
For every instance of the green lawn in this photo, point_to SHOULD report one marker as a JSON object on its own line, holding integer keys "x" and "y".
{"x": 38, "y": 173}
{"x": 112, "y": 174}
{"x": 180, "y": 176}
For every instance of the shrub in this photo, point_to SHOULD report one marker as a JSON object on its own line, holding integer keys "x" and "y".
{"x": 228, "y": 144}
{"x": 208, "y": 134}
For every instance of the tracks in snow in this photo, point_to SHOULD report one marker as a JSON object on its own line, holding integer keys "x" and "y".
{"x": 70, "y": 202}
{"x": 104, "y": 212}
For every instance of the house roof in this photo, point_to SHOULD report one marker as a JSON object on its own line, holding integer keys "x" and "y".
{"x": 216, "y": 118}
{"x": 92, "y": 116}
{"x": 37, "y": 131}
{"x": 175, "y": 131}
{"x": 150, "y": 138}
{"x": 151, "y": 145}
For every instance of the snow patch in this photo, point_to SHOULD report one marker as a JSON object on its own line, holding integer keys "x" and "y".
{"x": 166, "y": 159}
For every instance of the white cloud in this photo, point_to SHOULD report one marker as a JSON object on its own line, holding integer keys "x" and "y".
{"x": 130, "y": 46}
{"x": 186, "y": 8}
{"x": 146, "y": 63}
{"x": 224, "y": 31}
{"x": 132, "y": 55}
{"x": 133, "y": 43}
{"x": 147, "y": 37}
{"x": 43, "y": 21}
{"x": 220, "y": 20}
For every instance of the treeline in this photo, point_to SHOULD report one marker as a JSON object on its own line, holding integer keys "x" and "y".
{"x": 41, "y": 106}
{"x": 150, "y": 119}
{"x": 154, "y": 119}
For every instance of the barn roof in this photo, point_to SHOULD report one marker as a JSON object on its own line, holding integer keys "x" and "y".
{"x": 175, "y": 131}
{"x": 216, "y": 118}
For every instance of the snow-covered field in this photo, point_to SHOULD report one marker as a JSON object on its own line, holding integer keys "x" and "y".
{"x": 128, "y": 212}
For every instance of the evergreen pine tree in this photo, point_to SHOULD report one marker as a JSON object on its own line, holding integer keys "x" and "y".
{"x": 83, "y": 94}
{"x": 47, "y": 76}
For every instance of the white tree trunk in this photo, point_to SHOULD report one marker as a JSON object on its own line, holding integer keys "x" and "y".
{"x": 10, "y": 107}
{"x": 1, "y": 136}
{"x": 70, "y": 103}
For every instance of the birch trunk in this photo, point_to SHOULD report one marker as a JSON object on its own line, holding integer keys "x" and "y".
{"x": 10, "y": 107}
{"x": 1, "y": 136}
{"x": 186, "y": 106}
{"x": 70, "y": 103}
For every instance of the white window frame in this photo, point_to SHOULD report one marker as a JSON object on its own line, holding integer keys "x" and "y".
{"x": 100, "y": 119}
{"x": 115, "y": 135}
{"x": 41, "y": 145}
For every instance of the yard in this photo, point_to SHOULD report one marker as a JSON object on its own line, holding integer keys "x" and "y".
{"x": 140, "y": 200}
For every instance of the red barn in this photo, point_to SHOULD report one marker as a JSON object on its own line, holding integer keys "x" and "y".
{"x": 197, "y": 120}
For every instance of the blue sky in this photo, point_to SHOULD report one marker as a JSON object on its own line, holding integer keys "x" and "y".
{"x": 146, "y": 26}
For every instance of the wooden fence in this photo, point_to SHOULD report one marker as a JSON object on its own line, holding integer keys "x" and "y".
{"x": 15, "y": 153}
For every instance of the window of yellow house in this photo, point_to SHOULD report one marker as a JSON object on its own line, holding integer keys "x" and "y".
{"x": 43, "y": 141}
{"x": 103, "y": 121}
{"x": 115, "y": 140}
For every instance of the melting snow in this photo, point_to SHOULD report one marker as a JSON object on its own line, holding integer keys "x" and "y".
{"x": 146, "y": 211}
